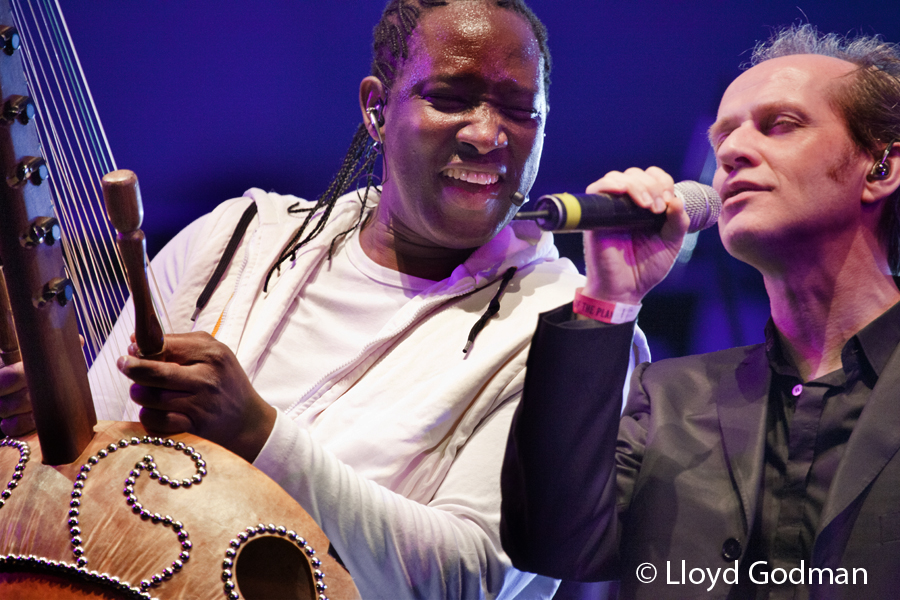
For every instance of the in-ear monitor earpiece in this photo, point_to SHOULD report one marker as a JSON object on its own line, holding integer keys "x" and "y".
{"x": 376, "y": 118}
{"x": 882, "y": 168}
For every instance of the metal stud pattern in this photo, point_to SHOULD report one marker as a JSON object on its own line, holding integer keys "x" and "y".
{"x": 148, "y": 465}
{"x": 11, "y": 563}
{"x": 19, "y": 471}
{"x": 270, "y": 529}
{"x": 17, "y": 563}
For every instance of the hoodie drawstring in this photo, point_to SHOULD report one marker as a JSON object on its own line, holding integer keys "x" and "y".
{"x": 230, "y": 249}
{"x": 492, "y": 309}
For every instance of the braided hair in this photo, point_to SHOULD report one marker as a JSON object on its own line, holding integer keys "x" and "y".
{"x": 390, "y": 49}
{"x": 391, "y": 36}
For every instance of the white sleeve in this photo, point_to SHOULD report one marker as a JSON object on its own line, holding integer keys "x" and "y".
{"x": 108, "y": 386}
{"x": 395, "y": 547}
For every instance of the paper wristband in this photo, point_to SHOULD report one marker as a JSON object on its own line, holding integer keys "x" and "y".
{"x": 605, "y": 312}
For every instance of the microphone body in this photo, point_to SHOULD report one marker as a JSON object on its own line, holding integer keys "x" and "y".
{"x": 586, "y": 212}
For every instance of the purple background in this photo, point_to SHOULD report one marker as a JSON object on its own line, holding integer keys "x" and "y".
{"x": 204, "y": 99}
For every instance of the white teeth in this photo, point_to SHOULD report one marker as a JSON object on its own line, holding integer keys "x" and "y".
{"x": 472, "y": 176}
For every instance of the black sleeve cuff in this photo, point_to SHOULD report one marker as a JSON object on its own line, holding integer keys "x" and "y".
{"x": 564, "y": 318}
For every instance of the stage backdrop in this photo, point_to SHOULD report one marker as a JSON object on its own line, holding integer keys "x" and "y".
{"x": 204, "y": 99}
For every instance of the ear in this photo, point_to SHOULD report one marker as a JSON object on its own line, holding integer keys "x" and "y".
{"x": 880, "y": 187}
{"x": 372, "y": 96}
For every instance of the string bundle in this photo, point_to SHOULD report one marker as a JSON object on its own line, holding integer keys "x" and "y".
{"x": 78, "y": 154}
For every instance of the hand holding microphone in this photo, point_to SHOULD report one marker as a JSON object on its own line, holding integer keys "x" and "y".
{"x": 634, "y": 223}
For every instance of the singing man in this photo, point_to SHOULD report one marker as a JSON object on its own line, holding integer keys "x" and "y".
{"x": 772, "y": 470}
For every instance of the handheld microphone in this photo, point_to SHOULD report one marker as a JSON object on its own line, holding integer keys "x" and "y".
{"x": 585, "y": 212}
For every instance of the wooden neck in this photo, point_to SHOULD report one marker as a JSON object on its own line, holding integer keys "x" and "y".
{"x": 39, "y": 292}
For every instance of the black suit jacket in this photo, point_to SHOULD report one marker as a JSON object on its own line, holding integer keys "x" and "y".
{"x": 590, "y": 497}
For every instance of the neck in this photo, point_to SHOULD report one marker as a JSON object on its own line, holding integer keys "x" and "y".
{"x": 817, "y": 305}
{"x": 391, "y": 245}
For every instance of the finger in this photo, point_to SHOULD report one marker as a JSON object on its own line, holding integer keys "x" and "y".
{"x": 158, "y": 398}
{"x": 165, "y": 422}
{"x": 677, "y": 219}
{"x": 18, "y": 425}
{"x": 611, "y": 182}
{"x": 12, "y": 378}
{"x": 194, "y": 347}
{"x": 16, "y": 403}
{"x": 651, "y": 186}
{"x": 644, "y": 188}
{"x": 185, "y": 348}
{"x": 151, "y": 373}
{"x": 663, "y": 179}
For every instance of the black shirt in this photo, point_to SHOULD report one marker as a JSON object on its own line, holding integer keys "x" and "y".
{"x": 808, "y": 426}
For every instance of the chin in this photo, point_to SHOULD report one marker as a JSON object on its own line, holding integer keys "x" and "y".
{"x": 465, "y": 235}
{"x": 473, "y": 229}
{"x": 465, "y": 241}
{"x": 761, "y": 248}
{"x": 740, "y": 241}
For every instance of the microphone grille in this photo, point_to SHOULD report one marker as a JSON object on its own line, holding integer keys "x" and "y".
{"x": 701, "y": 202}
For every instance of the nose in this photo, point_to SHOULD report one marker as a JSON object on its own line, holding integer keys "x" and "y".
{"x": 739, "y": 148}
{"x": 484, "y": 130}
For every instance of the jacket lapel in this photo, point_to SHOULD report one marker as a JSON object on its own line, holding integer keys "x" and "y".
{"x": 742, "y": 399}
{"x": 874, "y": 441}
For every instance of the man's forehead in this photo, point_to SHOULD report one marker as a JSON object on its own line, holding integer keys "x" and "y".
{"x": 795, "y": 74}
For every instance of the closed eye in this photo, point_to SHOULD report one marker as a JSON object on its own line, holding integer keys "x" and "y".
{"x": 717, "y": 139}
{"x": 448, "y": 103}
{"x": 520, "y": 113}
{"x": 781, "y": 125}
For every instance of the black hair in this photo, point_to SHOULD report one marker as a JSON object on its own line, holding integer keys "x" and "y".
{"x": 390, "y": 46}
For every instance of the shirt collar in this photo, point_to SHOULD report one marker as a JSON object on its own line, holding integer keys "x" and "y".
{"x": 863, "y": 356}
{"x": 878, "y": 339}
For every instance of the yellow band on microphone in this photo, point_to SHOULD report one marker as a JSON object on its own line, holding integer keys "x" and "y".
{"x": 573, "y": 210}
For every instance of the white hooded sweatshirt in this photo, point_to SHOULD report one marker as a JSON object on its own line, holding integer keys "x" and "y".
{"x": 397, "y": 453}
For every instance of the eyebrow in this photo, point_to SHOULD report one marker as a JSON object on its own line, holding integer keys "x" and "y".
{"x": 469, "y": 77}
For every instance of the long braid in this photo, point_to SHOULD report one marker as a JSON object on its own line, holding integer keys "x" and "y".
{"x": 390, "y": 48}
{"x": 367, "y": 167}
{"x": 360, "y": 151}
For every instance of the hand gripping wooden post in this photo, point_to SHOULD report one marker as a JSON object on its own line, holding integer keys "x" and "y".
{"x": 125, "y": 211}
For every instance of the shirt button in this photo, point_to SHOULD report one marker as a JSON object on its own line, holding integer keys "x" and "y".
{"x": 798, "y": 389}
{"x": 731, "y": 549}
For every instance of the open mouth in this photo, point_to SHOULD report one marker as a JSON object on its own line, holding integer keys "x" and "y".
{"x": 474, "y": 177}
